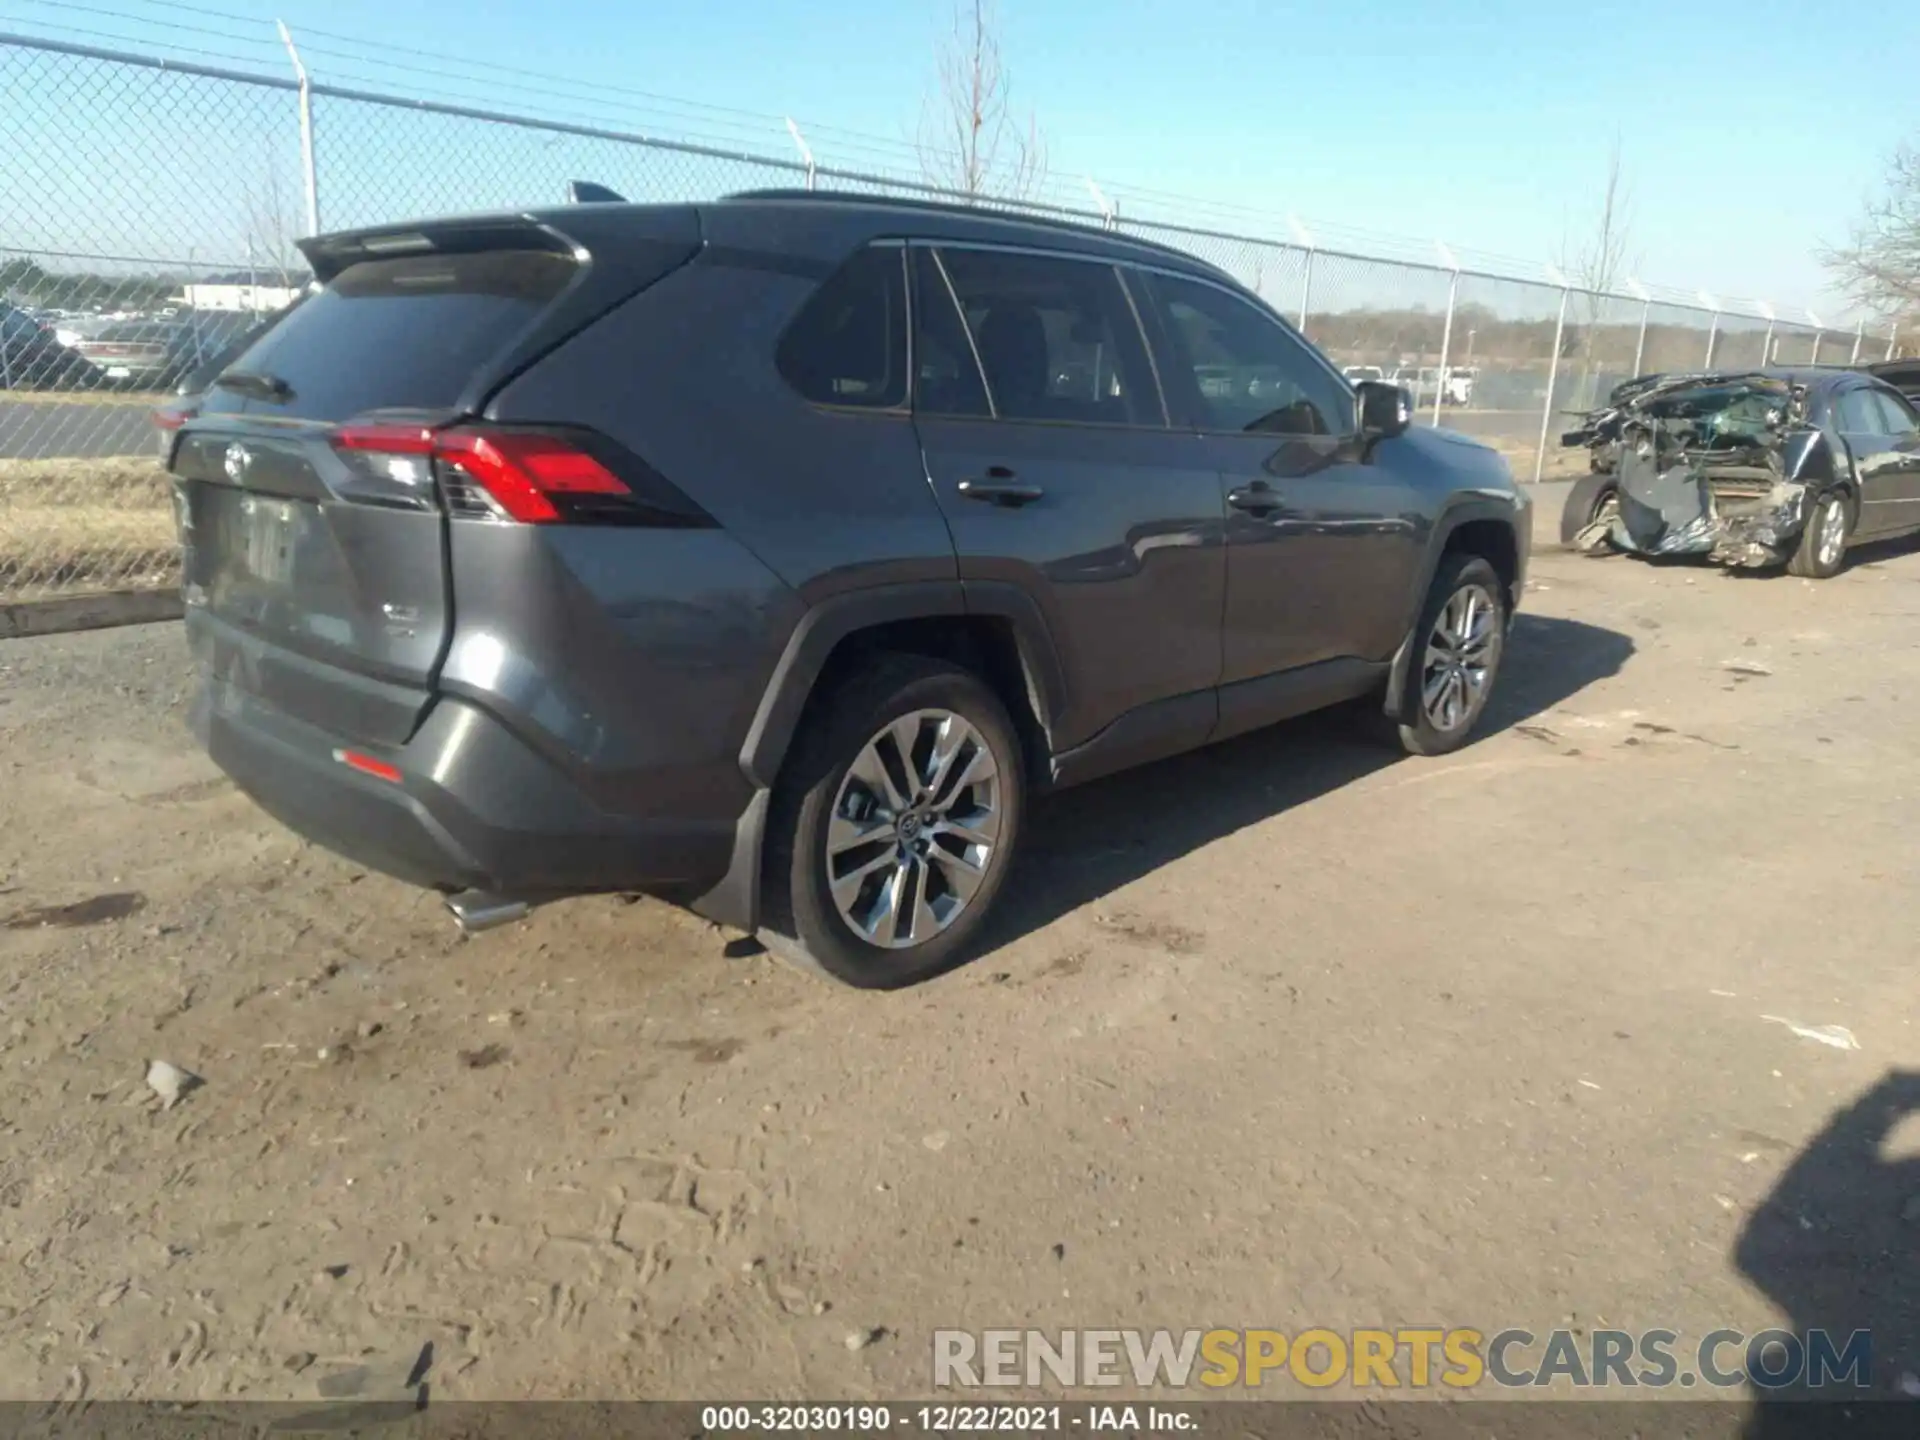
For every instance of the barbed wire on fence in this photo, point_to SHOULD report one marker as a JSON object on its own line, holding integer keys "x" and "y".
{"x": 155, "y": 206}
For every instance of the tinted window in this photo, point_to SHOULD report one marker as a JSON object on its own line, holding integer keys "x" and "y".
{"x": 402, "y": 333}
{"x": 1896, "y": 416}
{"x": 946, "y": 373}
{"x": 1057, "y": 338}
{"x": 848, "y": 346}
{"x": 1250, "y": 372}
{"x": 16, "y": 326}
{"x": 1856, "y": 414}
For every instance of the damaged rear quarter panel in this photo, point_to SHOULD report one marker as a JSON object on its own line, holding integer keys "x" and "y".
{"x": 1726, "y": 466}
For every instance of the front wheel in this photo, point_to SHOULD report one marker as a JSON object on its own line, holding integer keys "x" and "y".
{"x": 1823, "y": 542}
{"x": 893, "y": 833}
{"x": 1458, "y": 644}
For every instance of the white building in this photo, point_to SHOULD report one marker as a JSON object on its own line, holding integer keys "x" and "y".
{"x": 257, "y": 291}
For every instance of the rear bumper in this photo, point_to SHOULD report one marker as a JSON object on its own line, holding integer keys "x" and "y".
{"x": 475, "y": 808}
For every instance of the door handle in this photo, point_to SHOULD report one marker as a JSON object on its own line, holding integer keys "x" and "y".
{"x": 1000, "y": 488}
{"x": 1259, "y": 497}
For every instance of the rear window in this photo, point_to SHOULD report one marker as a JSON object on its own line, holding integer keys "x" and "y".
{"x": 406, "y": 333}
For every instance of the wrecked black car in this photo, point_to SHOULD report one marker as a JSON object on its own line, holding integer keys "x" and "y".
{"x": 1599, "y": 430}
{"x": 1748, "y": 468}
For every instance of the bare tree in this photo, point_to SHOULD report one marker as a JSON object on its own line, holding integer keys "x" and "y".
{"x": 1596, "y": 263}
{"x": 970, "y": 139}
{"x": 1879, "y": 266}
{"x": 271, "y": 231}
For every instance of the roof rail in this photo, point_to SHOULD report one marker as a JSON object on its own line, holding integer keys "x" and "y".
{"x": 957, "y": 207}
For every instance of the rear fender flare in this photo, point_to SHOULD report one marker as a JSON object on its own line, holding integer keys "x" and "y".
{"x": 735, "y": 899}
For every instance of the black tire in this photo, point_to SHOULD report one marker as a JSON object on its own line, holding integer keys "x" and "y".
{"x": 1414, "y": 728}
{"x": 1807, "y": 560}
{"x": 1590, "y": 495}
{"x": 804, "y": 924}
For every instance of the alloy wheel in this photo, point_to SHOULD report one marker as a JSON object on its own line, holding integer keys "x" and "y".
{"x": 1459, "y": 658}
{"x": 1831, "y": 540}
{"x": 914, "y": 829}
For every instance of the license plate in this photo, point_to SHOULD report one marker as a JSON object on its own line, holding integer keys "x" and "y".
{"x": 118, "y": 372}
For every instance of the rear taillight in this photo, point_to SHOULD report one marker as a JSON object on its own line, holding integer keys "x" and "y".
{"x": 391, "y": 465}
{"x": 516, "y": 476}
{"x": 526, "y": 475}
{"x": 167, "y": 420}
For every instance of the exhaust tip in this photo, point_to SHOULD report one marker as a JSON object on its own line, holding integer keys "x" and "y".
{"x": 480, "y": 910}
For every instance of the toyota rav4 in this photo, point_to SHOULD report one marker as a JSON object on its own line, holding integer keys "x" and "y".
{"x": 773, "y": 553}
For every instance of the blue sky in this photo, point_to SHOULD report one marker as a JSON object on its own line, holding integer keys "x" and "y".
{"x": 1749, "y": 135}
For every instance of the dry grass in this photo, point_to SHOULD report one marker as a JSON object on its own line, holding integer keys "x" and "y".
{"x": 68, "y": 526}
{"x": 145, "y": 399}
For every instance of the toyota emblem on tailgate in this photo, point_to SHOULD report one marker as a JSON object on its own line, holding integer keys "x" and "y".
{"x": 237, "y": 459}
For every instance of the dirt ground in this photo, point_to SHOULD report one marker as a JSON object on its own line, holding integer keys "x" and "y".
{"x": 1285, "y": 1033}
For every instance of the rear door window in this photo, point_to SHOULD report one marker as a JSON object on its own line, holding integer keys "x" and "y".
{"x": 1057, "y": 338}
{"x": 406, "y": 333}
{"x": 947, "y": 377}
{"x": 848, "y": 345}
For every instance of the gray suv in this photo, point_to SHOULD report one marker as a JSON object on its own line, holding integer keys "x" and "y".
{"x": 773, "y": 553}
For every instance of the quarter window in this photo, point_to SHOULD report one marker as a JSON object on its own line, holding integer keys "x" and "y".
{"x": 1057, "y": 338}
{"x": 1249, "y": 372}
{"x": 848, "y": 345}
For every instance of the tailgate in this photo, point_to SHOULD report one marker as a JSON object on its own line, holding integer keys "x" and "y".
{"x": 313, "y": 508}
{"x": 330, "y": 608}
{"x": 315, "y": 572}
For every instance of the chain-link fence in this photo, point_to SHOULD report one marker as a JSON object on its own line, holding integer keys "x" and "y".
{"x": 152, "y": 209}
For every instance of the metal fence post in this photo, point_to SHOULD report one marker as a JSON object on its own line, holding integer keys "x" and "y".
{"x": 1713, "y": 327}
{"x": 1819, "y": 332}
{"x": 310, "y": 174}
{"x": 1446, "y": 331}
{"x": 1304, "y": 239}
{"x": 1859, "y": 334}
{"x": 1553, "y": 375}
{"x": 1766, "y": 346}
{"x": 1641, "y": 294}
{"x": 1109, "y": 212}
{"x": 1893, "y": 334}
{"x": 806, "y": 155}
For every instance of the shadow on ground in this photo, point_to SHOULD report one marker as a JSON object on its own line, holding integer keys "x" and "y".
{"x": 1836, "y": 1247}
{"x": 1087, "y": 842}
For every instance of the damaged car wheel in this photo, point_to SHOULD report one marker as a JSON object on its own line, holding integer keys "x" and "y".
{"x": 1458, "y": 645}
{"x": 1594, "y": 500}
{"x": 1823, "y": 543}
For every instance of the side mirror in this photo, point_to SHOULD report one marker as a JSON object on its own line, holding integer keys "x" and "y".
{"x": 1385, "y": 410}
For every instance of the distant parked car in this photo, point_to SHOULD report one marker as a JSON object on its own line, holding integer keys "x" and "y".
{"x": 1356, "y": 373}
{"x": 1423, "y": 384}
{"x": 32, "y": 359}
{"x": 146, "y": 352}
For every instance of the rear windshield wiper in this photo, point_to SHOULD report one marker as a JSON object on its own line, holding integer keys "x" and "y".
{"x": 257, "y": 384}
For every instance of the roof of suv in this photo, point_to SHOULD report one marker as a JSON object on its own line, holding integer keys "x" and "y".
{"x": 1046, "y": 231}
{"x": 816, "y": 227}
